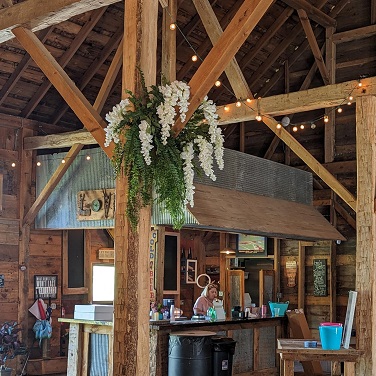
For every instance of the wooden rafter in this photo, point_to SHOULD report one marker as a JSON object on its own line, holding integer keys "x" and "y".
{"x": 64, "y": 60}
{"x": 213, "y": 28}
{"x": 91, "y": 71}
{"x": 221, "y": 54}
{"x": 207, "y": 43}
{"x": 21, "y": 67}
{"x": 64, "y": 85}
{"x": 40, "y": 14}
{"x": 261, "y": 43}
{"x": 314, "y": 46}
{"x": 313, "y": 12}
{"x": 354, "y": 34}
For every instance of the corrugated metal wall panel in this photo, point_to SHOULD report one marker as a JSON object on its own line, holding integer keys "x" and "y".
{"x": 60, "y": 210}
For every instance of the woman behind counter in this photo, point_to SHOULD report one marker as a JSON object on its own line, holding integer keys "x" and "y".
{"x": 205, "y": 301}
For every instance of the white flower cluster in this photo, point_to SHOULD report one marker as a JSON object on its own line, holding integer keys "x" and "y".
{"x": 146, "y": 141}
{"x": 114, "y": 118}
{"x": 175, "y": 94}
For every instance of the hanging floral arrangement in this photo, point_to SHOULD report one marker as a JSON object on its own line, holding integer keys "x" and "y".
{"x": 152, "y": 158}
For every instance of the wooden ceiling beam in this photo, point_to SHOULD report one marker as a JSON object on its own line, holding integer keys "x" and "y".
{"x": 311, "y": 162}
{"x": 21, "y": 67}
{"x": 40, "y": 14}
{"x": 113, "y": 43}
{"x": 354, "y": 34}
{"x": 64, "y": 60}
{"x": 65, "y": 86}
{"x": 313, "y": 12}
{"x": 314, "y": 45}
{"x": 276, "y": 105}
{"x": 213, "y": 28}
{"x": 244, "y": 21}
{"x": 261, "y": 43}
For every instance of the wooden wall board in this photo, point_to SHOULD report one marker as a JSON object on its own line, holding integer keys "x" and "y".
{"x": 9, "y": 207}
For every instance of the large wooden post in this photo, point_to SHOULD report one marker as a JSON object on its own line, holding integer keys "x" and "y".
{"x": 131, "y": 316}
{"x": 365, "y": 233}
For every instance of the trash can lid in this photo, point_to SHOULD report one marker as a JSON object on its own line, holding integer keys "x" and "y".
{"x": 194, "y": 333}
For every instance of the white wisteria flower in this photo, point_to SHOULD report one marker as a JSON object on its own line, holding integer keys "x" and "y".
{"x": 141, "y": 128}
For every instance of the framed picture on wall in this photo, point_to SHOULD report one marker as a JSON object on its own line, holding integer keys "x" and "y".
{"x": 191, "y": 271}
{"x": 251, "y": 246}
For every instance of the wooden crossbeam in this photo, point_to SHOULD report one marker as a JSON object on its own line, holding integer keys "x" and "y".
{"x": 213, "y": 28}
{"x": 314, "y": 46}
{"x": 65, "y": 86}
{"x": 247, "y": 17}
{"x": 313, "y": 12}
{"x": 277, "y": 105}
{"x": 40, "y": 14}
{"x": 311, "y": 162}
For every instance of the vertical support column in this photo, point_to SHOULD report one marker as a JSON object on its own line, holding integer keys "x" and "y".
{"x": 365, "y": 233}
{"x": 131, "y": 303}
{"x": 168, "y": 64}
{"x": 301, "y": 275}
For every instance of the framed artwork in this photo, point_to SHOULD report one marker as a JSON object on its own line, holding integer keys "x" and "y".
{"x": 191, "y": 271}
{"x": 251, "y": 246}
{"x": 45, "y": 286}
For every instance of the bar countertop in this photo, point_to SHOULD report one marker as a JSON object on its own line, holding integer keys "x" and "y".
{"x": 228, "y": 324}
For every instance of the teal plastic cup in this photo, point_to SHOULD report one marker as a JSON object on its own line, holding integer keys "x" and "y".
{"x": 331, "y": 336}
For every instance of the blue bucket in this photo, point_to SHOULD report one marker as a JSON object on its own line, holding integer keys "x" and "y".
{"x": 282, "y": 307}
{"x": 330, "y": 336}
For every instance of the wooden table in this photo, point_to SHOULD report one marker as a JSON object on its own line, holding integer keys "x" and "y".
{"x": 291, "y": 350}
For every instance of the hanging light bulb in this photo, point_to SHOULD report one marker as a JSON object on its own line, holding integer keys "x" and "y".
{"x": 13, "y": 164}
{"x": 88, "y": 157}
{"x": 63, "y": 161}
{"x": 249, "y": 100}
{"x": 172, "y": 26}
{"x": 279, "y": 126}
{"x": 295, "y": 129}
{"x": 301, "y": 126}
{"x": 258, "y": 117}
{"x": 285, "y": 121}
{"x": 217, "y": 83}
{"x": 313, "y": 126}
{"x": 226, "y": 108}
{"x": 360, "y": 84}
{"x": 351, "y": 98}
{"x": 39, "y": 163}
{"x": 339, "y": 110}
{"x": 326, "y": 119}
{"x": 194, "y": 58}
{"x": 238, "y": 104}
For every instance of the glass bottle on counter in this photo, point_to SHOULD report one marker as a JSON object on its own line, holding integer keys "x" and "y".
{"x": 190, "y": 254}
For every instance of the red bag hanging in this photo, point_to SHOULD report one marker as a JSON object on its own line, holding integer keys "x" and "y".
{"x": 41, "y": 310}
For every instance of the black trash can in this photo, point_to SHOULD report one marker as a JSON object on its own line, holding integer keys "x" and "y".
{"x": 190, "y": 353}
{"x": 223, "y": 350}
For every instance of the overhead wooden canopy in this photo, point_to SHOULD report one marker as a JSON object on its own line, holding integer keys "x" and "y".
{"x": 235, "y": 211}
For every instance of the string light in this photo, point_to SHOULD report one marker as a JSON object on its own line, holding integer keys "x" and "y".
{"x": 13, "y": 164}
{"x": 286, "y": 120}
{"x": 63, "y": 161}
{"x": 39, "y": 163}
{"x": 88, "y": 157}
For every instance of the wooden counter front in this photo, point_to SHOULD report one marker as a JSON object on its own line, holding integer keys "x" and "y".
{"x": 255, "y": 351}
{"x": 256, "y": 343}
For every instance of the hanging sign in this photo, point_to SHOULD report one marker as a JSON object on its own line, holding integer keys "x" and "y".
{"x": 45, "y": 286}
{"x": 152, "y": 259}
{"x": 2, "y": 279}
{"x": 291, "y": 270}
{"x": 320, "y": 287}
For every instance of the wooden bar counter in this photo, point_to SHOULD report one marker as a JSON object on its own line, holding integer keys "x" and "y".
{"x": 256, "y": 343}
{"x": 255, "y": 351}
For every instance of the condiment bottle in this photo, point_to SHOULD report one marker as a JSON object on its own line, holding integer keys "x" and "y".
{"x": 172, "y": 313}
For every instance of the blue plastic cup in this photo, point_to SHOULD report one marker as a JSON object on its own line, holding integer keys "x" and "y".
{"x": 330, "y": 336}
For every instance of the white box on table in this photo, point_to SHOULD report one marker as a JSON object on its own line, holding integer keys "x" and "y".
{"x": 100, "y": 312}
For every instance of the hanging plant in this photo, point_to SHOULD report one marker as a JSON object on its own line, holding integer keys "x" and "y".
{"x": 152, "y": 158}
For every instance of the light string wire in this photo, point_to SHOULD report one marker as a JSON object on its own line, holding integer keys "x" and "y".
{"x": 244, "y": 101}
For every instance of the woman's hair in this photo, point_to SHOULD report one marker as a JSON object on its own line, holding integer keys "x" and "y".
{"x": 205, "y": 291}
